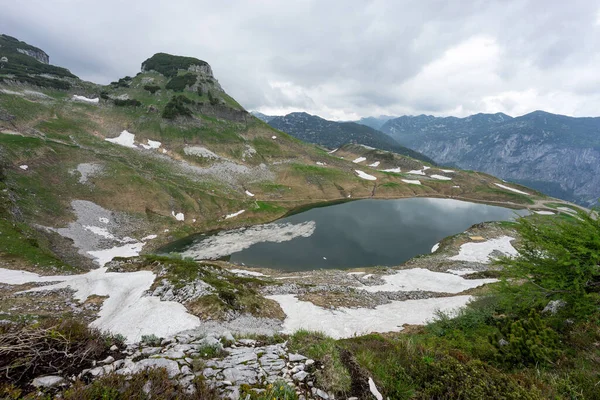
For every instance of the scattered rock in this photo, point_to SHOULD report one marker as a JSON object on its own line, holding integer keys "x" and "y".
{"x": 48, "y": 381}
{"x": 553, "y": 306}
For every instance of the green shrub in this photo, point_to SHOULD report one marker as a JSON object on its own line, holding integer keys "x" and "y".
{"x": 177, "y": 107}
{"x": 151, "y": 340}
{"x": 104, "y": 95}
{"x": 558, "y": 260}
{"x": 150, "y": 384}
{"x": 127, "y": 103}
{"x": 526, "y": 341}
{"x": 169, "y": 65}
{"x": 212, "y": 99}
{"x": 278, "y": 390}
{"x": 180, "y": 82}
{"x": 152, "y": 88}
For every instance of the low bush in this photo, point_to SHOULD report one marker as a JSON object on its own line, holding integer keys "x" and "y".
{"x": 180, "y": 82}
{"x": 177, "y": 107}
{"x": 63, "y": 348}
{"x": 152, "y": 88}
{"x": 127, "y": 103}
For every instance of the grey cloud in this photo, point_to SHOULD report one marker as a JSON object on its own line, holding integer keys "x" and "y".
{"x": 338, "y": 57}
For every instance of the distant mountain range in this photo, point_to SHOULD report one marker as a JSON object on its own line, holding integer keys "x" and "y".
{"x": 332, "y": 134}
{"x": 555, "y": 154}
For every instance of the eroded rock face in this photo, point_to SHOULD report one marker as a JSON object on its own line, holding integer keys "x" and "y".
{"x": 37, "y": 54}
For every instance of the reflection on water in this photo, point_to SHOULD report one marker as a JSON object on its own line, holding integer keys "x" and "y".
{"x": 356, "y": 234}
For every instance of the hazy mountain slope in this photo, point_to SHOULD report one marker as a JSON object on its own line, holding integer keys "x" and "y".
{"x": 556, "y": 154}
{"x": 331, "y": 134}
{"x": 374, "y": 122}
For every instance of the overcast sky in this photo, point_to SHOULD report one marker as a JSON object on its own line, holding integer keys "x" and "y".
{"x": 340, "y": 59}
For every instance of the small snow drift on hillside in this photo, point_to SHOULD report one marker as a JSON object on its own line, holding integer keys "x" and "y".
{"x": 152, "y": 144}
{"x": 412, "y": 181}
{"x": 249, "y": 194}
{"x": 246, "y": 272}
{"x": 126, "y": 139}
{"x": 441, "y": 177}
{"x": 364, "y": 175}
{"x": 178, "y": 216}
{"x": 544, "y": 212}
{"x": 395, "y": 170}
{"x": 511, "y": 189}
{"x": 416, "y": 172}
{"x": 481, "y": 252}
{"x": 348, "y": 322}
{"x": 126, "y": 311}
{"x": 24, "y": 167}
{"x": 235, "y": 214}
{"x": 85, "y": 99}
{"x": 375, "y": 164}
{"x": 359, "y": 160}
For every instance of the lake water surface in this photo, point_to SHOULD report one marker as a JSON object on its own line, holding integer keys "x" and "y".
{"x": 356, "y": 234}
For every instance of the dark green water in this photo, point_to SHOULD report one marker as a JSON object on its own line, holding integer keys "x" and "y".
{"x": 356, "y": 234}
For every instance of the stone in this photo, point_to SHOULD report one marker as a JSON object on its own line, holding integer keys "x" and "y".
{"x": 553, "y": 306}
{"x": 300, "y": 376}
{"x": 247, "y": 342}
{"x": 107, "y": 360}
{"x": 150, "y": 351}
{"x": 319, "y": 393}
{"x": 171, "y": 366}
{"x": 185, "y": 370}
{"x": 114, "y": 347}
{"x": 48, "y": 381}
{"x": 98, "y": 371}
{"x": 297, "y": 368}
{"x": 296, "y": 357}
{"x": 309, "y": 362}
{"x": 228, "y": 336}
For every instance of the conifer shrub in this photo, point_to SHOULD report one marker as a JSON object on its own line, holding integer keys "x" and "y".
{"x": 177, "y": 107}
{"x": 180, "y": 82}
{"x": 152, "y": 88}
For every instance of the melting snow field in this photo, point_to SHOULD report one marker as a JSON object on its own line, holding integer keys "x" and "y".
{"x": 126, "y": 310}
{"x": 375, "y": 164}
{"x": 416, "y": 172}
{"x": 511, "y": 189}
{"x": 152, "y": 144}
{"x": 347, "y": 322}
{"x": 85, "y": 99}
{"x": 245, "y": 272}
{"x": 481, "y": 252}
{"x": 414, "y": 279}
{"x": 396, "y": 170}
{"x": 412, "y": 181}
{"x": 229, "y": 242}
{"x": 435, "y": 247}
{"x": 359, "y": 160}
{"x": 126, "y": 139}
{"x": 178, "y": 216}
{"x": 364, "y": 175}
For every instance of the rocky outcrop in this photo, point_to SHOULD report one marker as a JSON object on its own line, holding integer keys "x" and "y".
{"x": 37, "y": 54}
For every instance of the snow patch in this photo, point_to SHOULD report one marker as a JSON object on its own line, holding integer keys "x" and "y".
{"x": 396, "y": 170}
{"x": 321, "y": 163}
{"x": 228, "y": 242}
{"x": 348, "y": 322}
{"x": 414, "y": 279}
{"x": 85, "y": 99}
{"x": 364, "y": 175}
{"x": 412, "y": 181}
{"x": 149, "y": 237}
{"x": 24, "y": 167}
{"x": 511, "y": 189}
{"x": 178, "y": 216}
{"x": 126, "y": 311}
{"x": 544, "y": 212}
{"x": 248, "y": 193}
{"x": 481, "y": 252}
{"x": 448, "y": 171}
{"x": 567, "y": 209}
{"x": 126, "y": 139}
{"x": 102, "y": 257}
{"x": 373, "y": 389}
{"x": 441, "y": 178}
{"x": 235, "y": 214}
{"x": 416, "y": 172}
{"x": 332, "y": 151}
{"x": 152, "y": 144}
{"x": 359, "y": 160}
{"x": 435, "y": 247}
{"x": 375, "y": 164}
{"x": 273, "y": 137}
{"x": 245, "y": 272}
